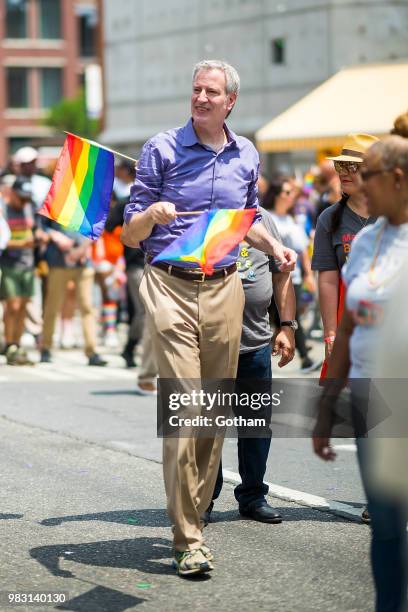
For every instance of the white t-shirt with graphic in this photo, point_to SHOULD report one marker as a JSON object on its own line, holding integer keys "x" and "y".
{"x": 383, "y": 248}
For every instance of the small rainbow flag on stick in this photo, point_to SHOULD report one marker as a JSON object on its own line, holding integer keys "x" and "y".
{"x": 81, "y": 188}
{"x": 210, "y": 238}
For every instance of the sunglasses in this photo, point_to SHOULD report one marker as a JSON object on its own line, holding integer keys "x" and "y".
{"x": 345, "y": 166}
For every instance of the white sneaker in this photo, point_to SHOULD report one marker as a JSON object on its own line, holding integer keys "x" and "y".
{"x": 27, "y": 340}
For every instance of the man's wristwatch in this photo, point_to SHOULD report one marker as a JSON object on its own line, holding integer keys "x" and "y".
{"x": 292, "y": 324}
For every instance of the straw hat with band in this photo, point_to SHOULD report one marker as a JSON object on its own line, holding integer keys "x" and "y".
{"x": 355, "y": 147}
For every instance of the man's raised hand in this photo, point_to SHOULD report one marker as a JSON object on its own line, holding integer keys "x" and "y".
{"x": 161, "y": 212}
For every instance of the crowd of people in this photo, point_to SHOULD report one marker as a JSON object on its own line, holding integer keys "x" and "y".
{"x": 49, "y": 273}
{"x": 333, "y": 244}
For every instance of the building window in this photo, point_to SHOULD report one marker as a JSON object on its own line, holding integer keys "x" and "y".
{"x": 87, "y": 22}
{"x": 16, "y": 18}
{"x": 17, "y": 89}
{"x": 51, "y": 86}
{"x": 49, "y": 13}
{"x": 86, "y": 38}
{"x": 278, "y": 47}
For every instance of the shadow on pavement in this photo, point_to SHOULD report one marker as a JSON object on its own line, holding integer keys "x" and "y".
{"x": 8, "y": 517}
{"x": 350, "y": 503}
{"x": 116, "y": 392}
{"x": 297, "y": 514}
{"x": 141, "y": 554}
{"x": 101, "y": 599}
{"x": 150, "y": 517}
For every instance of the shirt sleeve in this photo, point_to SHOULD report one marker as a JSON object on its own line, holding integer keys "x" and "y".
{"x": 148, "y": 183}
{"x": 272, "y": 229}
{"x": 324, "y": 255}
{"x": 252, "y": 196}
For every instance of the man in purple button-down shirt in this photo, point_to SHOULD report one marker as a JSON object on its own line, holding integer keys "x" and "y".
{"x": 175, "y": 167}
{"x": 195, "y": 321}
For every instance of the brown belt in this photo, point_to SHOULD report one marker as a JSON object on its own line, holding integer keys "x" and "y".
{"x": 191, "y": 274}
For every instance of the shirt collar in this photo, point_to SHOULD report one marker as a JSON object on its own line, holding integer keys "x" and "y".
{"x": 190, "y": 137}
{"x": 231, "y": 136}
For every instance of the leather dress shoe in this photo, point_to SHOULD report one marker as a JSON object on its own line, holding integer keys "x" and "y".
{"x": 263, "y": 514}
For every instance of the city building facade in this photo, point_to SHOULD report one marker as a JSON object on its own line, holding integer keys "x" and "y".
{"x": 45, "y": 48}
{"x": 282, "y": 49}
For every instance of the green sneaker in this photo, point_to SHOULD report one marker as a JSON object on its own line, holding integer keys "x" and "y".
{"x": 22, "y": 358}
{"x": 12, "y": 354}
{"x": 191, "y": 562}
{"x": 207, "y": 552}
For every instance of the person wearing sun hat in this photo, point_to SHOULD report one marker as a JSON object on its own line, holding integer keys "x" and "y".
{"x": 336, "y": 228}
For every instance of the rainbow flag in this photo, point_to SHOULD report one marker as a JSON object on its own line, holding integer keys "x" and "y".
{"x": 210, "y": 238}
{"x": 81, "y": 188}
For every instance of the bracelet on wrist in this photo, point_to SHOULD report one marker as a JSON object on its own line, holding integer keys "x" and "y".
{"x": 329, "y": 339}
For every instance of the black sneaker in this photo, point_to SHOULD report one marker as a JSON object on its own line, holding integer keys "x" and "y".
{"x": 96, "y": 360}
{"x": 129, "y": 359}
{"x": 45, "y": 356}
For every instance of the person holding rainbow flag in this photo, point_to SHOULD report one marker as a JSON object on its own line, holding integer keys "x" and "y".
{"x": 192, "y": 293}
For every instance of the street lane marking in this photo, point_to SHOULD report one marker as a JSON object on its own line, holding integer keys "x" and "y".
{"x": 346, "y": 447}
{"x": 95, "y": 373}
{"x": 66, "y": 373}
{"x": 302, "y": 498}
{"x": 37, "y": 372}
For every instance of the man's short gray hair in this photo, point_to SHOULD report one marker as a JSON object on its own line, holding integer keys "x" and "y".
{"x": 231, "y": 75}
{"x": 393, "y": 152}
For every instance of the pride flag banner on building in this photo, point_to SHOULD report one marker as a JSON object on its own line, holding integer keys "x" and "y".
{"x": 210, "y": 238}
{"x": 81, "y": 188}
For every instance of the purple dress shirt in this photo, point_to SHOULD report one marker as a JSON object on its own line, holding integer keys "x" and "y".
{"x": 175, "y": 167}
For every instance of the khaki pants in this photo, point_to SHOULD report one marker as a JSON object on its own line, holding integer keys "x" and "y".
{"x": 196, "y": 331}
{"x": 58, "y": 279}
{"x": 148, "y": 367}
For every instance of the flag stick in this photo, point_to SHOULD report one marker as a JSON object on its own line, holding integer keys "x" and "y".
{"x": 103, "y": 147}
{"x": 192, "y": 212}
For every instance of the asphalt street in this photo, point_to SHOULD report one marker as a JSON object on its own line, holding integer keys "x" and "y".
{"x": 70, "y": 397}
{"x": 83, "y": 507}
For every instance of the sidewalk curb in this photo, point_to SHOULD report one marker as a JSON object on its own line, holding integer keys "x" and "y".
{"x": 304, "y": 499}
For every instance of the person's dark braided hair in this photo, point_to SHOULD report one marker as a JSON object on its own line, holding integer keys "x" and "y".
{"x": 338, "y": 213}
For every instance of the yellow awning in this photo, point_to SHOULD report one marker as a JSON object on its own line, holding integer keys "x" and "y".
{"x": 364, "y": 99}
